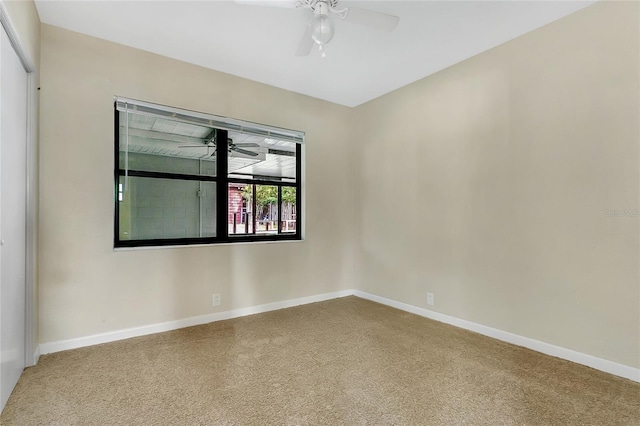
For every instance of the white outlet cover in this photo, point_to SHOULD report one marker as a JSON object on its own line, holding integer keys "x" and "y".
{"x": 216, "y": 299}
{"x": 429, "y": 298}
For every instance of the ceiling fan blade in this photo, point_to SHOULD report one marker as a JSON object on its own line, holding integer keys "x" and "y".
{"x": 270, "y": 3}
{"x": 306, "y": 42}
{"x": 247, "y": 144}
{"x": 371, "y": 18}
{"x": 244, "y": 151}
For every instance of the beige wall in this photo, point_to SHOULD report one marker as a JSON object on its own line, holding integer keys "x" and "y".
{"x": 24, "y": 17}
{"x": 86, "y": 287}
{"x": 488, "y": 184}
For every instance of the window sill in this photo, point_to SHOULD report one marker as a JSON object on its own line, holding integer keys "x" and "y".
{"x": 239, "y": 243}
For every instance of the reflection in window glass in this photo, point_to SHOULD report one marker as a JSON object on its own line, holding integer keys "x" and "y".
{"x": 153, "y": 208}
{"x": 254, "y": 157}
{"x": 156, "y": 144}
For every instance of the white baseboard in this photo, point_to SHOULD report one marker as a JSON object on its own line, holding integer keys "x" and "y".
{"x": 112, "y": 336}
{"x": 36, "y": 356}
{"x": 536, "y": 345}
{"x": 607, "y": 366}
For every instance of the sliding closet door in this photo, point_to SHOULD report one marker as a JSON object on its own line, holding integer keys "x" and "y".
{"x": 13, "y": 167}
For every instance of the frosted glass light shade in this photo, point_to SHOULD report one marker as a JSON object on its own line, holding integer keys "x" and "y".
{"x": 322, "y": 29}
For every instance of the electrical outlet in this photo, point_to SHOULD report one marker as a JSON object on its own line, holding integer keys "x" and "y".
{"x": 216, "y": 299}
{"x": 430, "y": 299}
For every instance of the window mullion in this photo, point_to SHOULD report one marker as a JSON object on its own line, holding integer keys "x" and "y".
{"x": 222, "y": 189}
{"x": 116, "y": 160}
{"x": 298, "y": 191}
{"x": 254, "y": 206}
{"x": 279, "y": 210}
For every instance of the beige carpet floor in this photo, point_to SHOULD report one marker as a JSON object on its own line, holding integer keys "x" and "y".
{"x": 342, "y": 362}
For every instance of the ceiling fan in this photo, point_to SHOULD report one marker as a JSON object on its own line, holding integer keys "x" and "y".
{"x": 231, "y": 146}
{"x": 321, "y": 28}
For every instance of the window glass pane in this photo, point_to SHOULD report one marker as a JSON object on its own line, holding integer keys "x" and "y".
{"x": 266, "y": 209}
{"x": 244, "y": 200}
{"x": 161, "y": 145}
{"x": 153, "y": 208}
{"x": 170, "y": 158}
{"x": 288, "y": 211}
{"x": 254, "y": 157}
{"x": 241, "y": 218}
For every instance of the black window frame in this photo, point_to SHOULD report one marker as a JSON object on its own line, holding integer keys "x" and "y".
{"x": 222, "y": 181}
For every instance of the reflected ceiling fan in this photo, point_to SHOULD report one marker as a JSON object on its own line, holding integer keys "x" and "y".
{"x": 231, "y": 146}
{"x": 321, "y": 28}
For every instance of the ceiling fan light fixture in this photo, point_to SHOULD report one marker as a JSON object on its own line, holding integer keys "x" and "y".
{"x": 322, "y": 29}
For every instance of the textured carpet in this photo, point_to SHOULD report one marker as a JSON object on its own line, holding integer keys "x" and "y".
{"x": 345, "y": 361}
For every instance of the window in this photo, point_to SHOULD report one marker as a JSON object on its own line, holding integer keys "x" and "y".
{"x": 184, "y": 178}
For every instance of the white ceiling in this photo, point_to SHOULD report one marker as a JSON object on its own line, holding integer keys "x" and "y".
{"x": 259, "y": 43}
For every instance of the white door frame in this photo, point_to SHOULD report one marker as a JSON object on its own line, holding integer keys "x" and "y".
{"x": 31, "y": 348}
